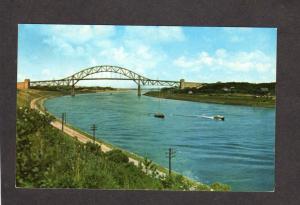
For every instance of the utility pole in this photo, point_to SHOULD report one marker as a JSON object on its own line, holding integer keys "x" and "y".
{"x": 65, "y": 118}
{"x": 62, "y": 121}
{"x": 94, "y": 128}
{"x": 170, "y": 154}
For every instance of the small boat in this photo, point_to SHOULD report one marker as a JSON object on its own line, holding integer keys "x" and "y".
{"x": 159, "y": 115}
{"x": 219, "y": 117}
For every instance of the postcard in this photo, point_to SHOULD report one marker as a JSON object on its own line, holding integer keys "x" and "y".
{"x": 146, "y": 107}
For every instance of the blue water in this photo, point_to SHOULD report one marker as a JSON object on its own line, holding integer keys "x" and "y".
{"x": 238, "y": 151}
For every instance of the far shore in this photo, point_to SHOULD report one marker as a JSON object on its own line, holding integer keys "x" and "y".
{"x": 228, "y": 99}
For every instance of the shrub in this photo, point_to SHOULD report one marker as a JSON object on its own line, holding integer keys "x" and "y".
{"x": 29, "y": 121}
{"x": 116, "y": 156}
{"x": 94, "y": 148}
{"x": 220, "y": 187}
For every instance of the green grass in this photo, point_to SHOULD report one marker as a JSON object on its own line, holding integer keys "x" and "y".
{"x": 24, "y": 97}
{"x": 229, "y": 99}
{"x": 48, "y": 158}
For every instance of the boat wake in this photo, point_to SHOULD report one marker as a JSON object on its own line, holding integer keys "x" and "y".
{"x": 215, "y": 117}
{"x": 204, "y": 116}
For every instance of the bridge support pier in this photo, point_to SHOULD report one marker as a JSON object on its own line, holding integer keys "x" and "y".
{"x": 73, "y": 89}
{"x": 139, "y": 90}
{"x": 139, "y": 87}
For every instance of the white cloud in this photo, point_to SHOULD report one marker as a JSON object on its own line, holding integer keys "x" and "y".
{"x": 202, "y": 59}
{"x": 141, "y": 59}
{"x": 62, "y": 47}
{"x": 205, "y": 59}
{"x": 236, "y": 39}
{"x": 21, "y": 77}
{"x": 96, "y": 45}
{"x": 240, "y": 61}
{"x": 237, "y": 34}
{"x": 237, "y": 29}
{"x": 184, "y": 63}
{"x": 74, "y": 40}
{"x": 46, "y": 72}
{"x": 104, "y": 43}
{"x": 155, "y": 33}
{"x": 104, "y": 31}
{"x": 117, "y": 54}
{"x": 78, "y": 34}
{"x": 222, "y": 53}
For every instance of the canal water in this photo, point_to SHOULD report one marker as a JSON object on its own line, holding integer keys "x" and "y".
{"x": 238, "y": 151}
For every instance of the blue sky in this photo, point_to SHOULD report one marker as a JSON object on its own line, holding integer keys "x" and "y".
{"x": 202, "y": 54}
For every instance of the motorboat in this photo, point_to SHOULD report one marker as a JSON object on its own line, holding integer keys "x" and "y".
{"x": 159, "y": 115}
{"x": 219, "y": 117}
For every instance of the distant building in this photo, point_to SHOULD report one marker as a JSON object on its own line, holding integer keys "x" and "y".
{"x": 232, "y": 89}
{"x": 190, "y": 92}
{"x": 264, "y": 89}
{"x": 184, "y": 84}
{"x": 226, "y": 89}
{"x": 23, "y": 85}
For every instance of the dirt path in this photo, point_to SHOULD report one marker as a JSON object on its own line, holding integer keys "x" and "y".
{"x": 33, "y": 103}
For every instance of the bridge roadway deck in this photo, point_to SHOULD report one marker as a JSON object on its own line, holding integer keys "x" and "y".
{"x": 129, "y": 79}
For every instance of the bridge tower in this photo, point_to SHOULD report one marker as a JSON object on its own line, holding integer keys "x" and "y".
{"x": 181, "y": 86}
{"x": 139, "y": 87}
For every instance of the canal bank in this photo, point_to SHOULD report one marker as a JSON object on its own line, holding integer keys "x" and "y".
{"x": 38, "y": 103}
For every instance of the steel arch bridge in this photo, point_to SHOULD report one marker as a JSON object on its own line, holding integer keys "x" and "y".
{"x": 83, "y": 75}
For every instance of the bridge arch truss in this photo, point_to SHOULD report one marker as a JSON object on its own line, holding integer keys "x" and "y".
{"x": 83, "y": 75}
